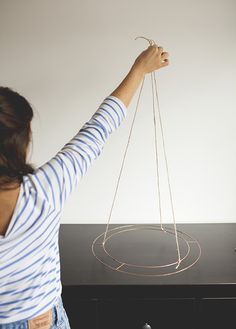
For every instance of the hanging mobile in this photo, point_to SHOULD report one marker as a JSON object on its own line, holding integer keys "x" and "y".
{"x": 191, "y": 248}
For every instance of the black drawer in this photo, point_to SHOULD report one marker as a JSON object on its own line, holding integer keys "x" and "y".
{"x": 134, "y": 314}
{"x": 217, "y": 313}
{"x": 81, "y": 313}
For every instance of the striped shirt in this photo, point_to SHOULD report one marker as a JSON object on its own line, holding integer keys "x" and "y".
{"x": 30, "y": 280}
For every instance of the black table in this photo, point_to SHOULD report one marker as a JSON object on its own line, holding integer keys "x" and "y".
{"x": 97, "y": 297}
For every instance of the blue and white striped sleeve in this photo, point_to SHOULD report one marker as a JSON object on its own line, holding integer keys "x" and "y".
{"x": 60, "y": 175}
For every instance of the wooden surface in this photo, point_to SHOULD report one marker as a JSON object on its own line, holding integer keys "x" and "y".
{"x": 214, "y": 275}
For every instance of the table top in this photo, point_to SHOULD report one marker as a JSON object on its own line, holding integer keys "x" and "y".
{"x": 215, "y": 269}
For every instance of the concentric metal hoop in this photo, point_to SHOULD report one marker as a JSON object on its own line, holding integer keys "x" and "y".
{"x": 191, "y": 257}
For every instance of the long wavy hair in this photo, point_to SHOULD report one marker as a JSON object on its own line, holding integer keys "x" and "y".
{"x": 16, "y": 114}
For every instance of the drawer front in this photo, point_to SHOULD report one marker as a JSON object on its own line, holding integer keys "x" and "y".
{"x": 217, "y": 313}
{"x": 81, "y": 313}
{"x": 147, "y": 314}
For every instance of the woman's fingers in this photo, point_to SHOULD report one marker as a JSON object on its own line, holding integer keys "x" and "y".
{"x": 165, "y": 62}
{"x": 165, "y": 55}
{"x": 159, "y": 50}
{"x": 152, "y": 58}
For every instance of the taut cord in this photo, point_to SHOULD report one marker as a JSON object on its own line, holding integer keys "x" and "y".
{"x": 127, "y": 146}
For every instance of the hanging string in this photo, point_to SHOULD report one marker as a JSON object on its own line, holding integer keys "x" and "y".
{"x": 154, "y": 87}
{"x": 167, "y": 170}
{"x": 157, "y": 163}
{"x": 127, "y": 146}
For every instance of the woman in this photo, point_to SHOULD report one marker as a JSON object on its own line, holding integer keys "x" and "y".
{"x": 31, "y": 200}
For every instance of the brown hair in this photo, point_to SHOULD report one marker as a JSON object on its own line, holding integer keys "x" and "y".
{"x": 15, "y": 133}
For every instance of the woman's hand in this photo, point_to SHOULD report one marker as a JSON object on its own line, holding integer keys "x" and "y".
{"x": 151, "y": 59}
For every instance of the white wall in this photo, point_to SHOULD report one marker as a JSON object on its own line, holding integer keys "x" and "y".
{"x": 65, "y": 57}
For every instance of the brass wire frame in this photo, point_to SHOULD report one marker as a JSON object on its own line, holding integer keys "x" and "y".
{"x": 189, "y": 243}
{"x": 146, "y": 266}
